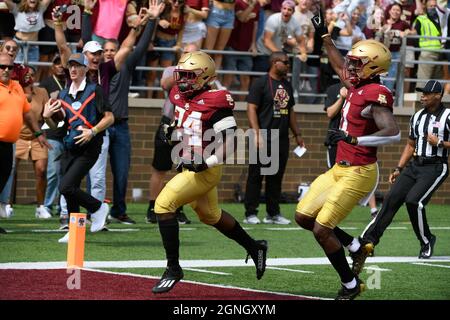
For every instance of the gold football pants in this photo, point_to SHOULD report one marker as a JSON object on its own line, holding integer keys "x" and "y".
{"x": 333, "y": 194}
{"x": 197, "y": 189}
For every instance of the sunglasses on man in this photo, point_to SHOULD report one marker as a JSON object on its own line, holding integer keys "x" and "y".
{"x": 11, "y": 48}
{"x": 6, "y": 66}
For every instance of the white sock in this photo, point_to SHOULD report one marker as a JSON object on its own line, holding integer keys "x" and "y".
{"x": 354, "y": 246}
{"x": 373, "y": 210}
{"x": 351, "y": 284}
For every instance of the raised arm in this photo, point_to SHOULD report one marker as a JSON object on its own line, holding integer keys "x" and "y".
{"x": 335, "y": 57}
{"x": 60, "y": 38}
{"x": 10, "y": 4}
{"x": 86, "y": 23}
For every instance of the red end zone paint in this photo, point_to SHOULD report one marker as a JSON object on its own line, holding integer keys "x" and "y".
{"x": 53, "y": 285}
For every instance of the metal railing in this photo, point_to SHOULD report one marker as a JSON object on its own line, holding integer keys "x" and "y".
{"x": 399, "y": 79}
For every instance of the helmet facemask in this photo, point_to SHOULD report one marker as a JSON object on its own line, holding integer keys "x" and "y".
{"x": 186, "y": 80}
{"x": 195, "y": 70}
{"x": 353, "y": 69}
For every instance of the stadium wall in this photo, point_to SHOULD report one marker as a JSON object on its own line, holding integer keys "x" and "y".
{"x": 144, "y": 120}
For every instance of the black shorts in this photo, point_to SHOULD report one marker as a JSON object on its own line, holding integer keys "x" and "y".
{"x": 162, "y": 160}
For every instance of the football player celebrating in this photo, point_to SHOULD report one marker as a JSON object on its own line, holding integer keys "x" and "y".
{"x": 199, "y": 110}
{"x": 367, "y": 121}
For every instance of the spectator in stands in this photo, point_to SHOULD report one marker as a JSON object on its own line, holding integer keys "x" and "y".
{"x": 326, "y": 74}
{"x": 100, "y": 72}
{"x": 54, "y": 85}
{"x": 162, "y": 160}
{"x": 410, "y": 10}
{"x": 303, "y": 15}
{"x": 375, "y": 22}
{"x": 392, "y": 33}
{"x": 28, "y": 146}
{"x": 220, "y": 23}
{"x": 6, "y": 22}
{"x": 109, "y": 19}
{"x": 346, "y": 39}
{"x": 119, "y": 134}
{"x": 270, "y": 107}
{"x": 14, "y": 110}
{"x": 243, "y": 38}
{"x": 29, "y": 19}
{"x": 10, "y": 48}
{"x": 168, "y": 35}
{"x": 194, "y": 31}
{"x": 72, "y": 30}
{"x": 281, "y": 33}
{"x": 84, "y": 138}
{"x": 428, "y": 25}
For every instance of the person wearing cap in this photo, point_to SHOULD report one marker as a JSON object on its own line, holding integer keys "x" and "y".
{"x": 55, "y": 83}
{"x": 422, "y": 168}
{"x": 86, "y": 117}
{"x": 102, "y": 71}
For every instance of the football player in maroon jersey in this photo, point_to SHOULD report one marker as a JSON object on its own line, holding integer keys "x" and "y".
{"x": 199, "y": 111}
{"x": 367, "y": 121}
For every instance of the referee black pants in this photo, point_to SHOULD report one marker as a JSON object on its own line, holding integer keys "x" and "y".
{"x": 273, "y": 186}
{"x": 414, "y": 187}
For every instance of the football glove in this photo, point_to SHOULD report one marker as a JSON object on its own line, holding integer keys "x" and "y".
{"x": 165, "y": 130}
{"x": 318, "y": 22}
{"x": 195, "y": 167}
{"x": 335, "y": 136}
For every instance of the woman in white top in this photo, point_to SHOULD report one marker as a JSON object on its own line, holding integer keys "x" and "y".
{"x": 29, "y": 19}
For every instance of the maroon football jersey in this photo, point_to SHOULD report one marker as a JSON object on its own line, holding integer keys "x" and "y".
{"x": 194, "y": 116}
{"x": 356, "y": 119}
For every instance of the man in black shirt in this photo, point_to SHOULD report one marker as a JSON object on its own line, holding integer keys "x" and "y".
{"x": 334, "y": 101}
{"x": 270, "y": 107}
{"x": 54, "y": 84}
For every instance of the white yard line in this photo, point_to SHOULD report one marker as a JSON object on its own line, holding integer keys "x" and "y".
{"x": 210, "y": 285}
{"x": 376, "y": 268}
{"x": 431, "y": 265}
{"x": 291, "y": 270}
{"x": 209, "y": 271}
{"x": 274, "y": 262}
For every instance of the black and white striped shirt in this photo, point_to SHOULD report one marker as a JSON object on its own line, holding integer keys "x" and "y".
{"x": 423, "y": 123}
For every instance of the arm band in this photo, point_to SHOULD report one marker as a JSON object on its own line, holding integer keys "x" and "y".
{"x": 212, "y": 161}
{"x": 374, "y": 141}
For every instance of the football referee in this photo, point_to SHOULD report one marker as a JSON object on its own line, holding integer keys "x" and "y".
{"x": 415, "y": 181}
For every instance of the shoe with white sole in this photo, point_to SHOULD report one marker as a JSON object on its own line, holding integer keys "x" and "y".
{"x": 252, "y": 220}
{"x": 42, "y": 213}
{"x": 278, "y": 219}
{"x": 98, "y": 218}
{"x": 3, "y": 213}
{"x": 64, "y": 239}
{"x": 9, "y": 211}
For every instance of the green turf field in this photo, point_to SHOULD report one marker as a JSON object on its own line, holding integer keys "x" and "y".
{"x": 404, "y": 280}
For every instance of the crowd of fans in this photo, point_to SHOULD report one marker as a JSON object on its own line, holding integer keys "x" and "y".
{"x": 258, "y": 27}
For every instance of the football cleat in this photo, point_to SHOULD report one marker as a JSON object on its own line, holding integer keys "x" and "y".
{"x": 359, "y": 257}
{"x": 350, "y": 294}
{"x": 259, "y": 257}
{"x": 169, "y": 279}
{"x": 427, "y": 250}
